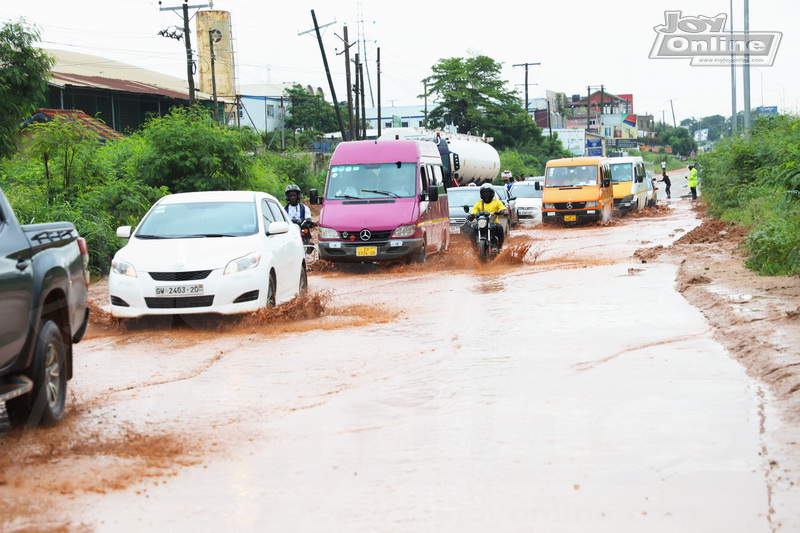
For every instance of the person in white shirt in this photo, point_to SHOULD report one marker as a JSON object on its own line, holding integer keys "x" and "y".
{"x": 297, "y": 212}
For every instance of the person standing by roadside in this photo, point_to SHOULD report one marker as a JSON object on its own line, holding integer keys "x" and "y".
{"x": 692, "y": 177}
{"x": 665, "y": 178}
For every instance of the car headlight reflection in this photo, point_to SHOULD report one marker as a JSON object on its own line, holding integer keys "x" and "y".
{"x": 121, "y": 267}
{"x": 243, "y": 263}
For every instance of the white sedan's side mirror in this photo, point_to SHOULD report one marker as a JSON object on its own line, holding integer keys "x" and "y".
{"x": 276, "y": 228}
{"x": 124, "y": 232}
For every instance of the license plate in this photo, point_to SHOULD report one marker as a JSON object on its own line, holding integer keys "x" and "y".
{"x": 180, "y": 290}
{"x": 366, "y": 251}
{"x": 455, "y": 229}
{"x": 570, "y": 218}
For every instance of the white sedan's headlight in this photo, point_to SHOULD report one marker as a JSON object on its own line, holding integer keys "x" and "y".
{"x": 592, "y": 204}
{"x": 243, "y": 263}
{"x": 121, "y": 267}
{"x": 405, "y": 231}
{"x": 328, "y": 233}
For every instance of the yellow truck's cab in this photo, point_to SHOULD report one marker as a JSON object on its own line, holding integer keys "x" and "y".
{"x": 629, "y": 180}
{"x": 577, "y": 189}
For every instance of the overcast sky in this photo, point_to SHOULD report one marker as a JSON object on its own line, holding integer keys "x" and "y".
{"x": 578, "y": 43}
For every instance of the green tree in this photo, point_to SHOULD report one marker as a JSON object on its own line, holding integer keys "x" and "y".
{"x": 187, "y": 150}
{"x": 24, "y": 71}
{"x": 309, "y": 111}
{"x": 471, "y": 96}
{"x": 678, "y": 138}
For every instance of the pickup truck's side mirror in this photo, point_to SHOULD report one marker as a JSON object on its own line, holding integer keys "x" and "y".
{"x": 537, "y": 185}
{"x": 314, "y": 197}
{"x": 124, "y": 232}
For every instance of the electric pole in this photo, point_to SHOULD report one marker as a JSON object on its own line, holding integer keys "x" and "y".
{"x": 526, "y": 65}
{"x": 378, "y": 75}
{"x": 188, "y": 42}
{"x": 327, "y": 71}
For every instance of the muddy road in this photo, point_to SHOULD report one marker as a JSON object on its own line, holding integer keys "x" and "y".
{"x": 570, "y": 386}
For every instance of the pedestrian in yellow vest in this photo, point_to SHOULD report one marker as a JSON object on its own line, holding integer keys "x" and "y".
{"x": 692, "y": 177}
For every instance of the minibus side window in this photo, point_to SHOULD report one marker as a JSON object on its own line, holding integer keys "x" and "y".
{"x": 438, "y": 177}
{"x": 424, "y": 176}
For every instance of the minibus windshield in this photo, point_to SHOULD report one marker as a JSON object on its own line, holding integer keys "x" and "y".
{"x": 621, "y": 172}
{"x": 370, "y": 181}
{"x": 573, "y": 176}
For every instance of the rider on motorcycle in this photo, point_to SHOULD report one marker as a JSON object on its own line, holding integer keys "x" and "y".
{"x": 489, "y": 203}
{"x": 297, "y": 212}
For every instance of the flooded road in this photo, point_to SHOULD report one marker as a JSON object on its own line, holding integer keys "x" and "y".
{"x": 576, "y": 391}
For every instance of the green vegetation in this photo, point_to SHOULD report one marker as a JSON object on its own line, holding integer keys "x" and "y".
{"x": 64, "y": 172}
{"x": 754, "y": 180}
{"x": 471, "y": 96}
{"x": 24, "y": 71}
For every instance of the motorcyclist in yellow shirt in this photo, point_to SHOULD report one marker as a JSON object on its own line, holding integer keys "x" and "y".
{"x": 488, "y": 203}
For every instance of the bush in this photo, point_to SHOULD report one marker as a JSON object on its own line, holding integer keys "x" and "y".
{"x": 754, "y": 180}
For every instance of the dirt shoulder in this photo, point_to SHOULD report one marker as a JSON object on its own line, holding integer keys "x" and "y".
{"x": 757, "y": 318}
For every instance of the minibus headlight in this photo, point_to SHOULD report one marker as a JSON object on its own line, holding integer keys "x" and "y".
{"x": 628, "y": 198}
{"x": 591, "y": 204}
{"x": 549, "y": 206}
{"x": 328, "y": 233}
{"x": 405, "y": 231}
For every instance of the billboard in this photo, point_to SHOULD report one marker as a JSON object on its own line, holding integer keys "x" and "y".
{"x": 701, "y": 135}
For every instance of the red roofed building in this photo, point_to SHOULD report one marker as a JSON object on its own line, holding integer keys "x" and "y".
{"x": 98, "y": 127}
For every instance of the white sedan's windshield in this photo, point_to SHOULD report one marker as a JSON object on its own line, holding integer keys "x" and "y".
{"x": 380, "y": 180}
{"x": 526, "y": 191}
{"x": 199, "y": 219}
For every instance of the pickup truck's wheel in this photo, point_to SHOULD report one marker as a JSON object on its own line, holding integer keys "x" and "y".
{"x": 44, "y": 406}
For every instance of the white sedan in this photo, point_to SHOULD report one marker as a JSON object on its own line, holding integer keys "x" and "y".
{"x": 221, "y": 252}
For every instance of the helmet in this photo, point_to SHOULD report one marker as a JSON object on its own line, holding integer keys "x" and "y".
{"x": 295, "y": 188}
{"x": 487, "y": 192}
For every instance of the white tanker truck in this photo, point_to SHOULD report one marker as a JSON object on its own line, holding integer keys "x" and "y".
{"x": 467, "y": 158}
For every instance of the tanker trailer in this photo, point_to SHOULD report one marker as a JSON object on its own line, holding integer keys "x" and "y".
{"x": 467, "y": 158}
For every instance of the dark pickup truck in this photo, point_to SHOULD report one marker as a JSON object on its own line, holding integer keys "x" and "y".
{"x": 44, "y": 286}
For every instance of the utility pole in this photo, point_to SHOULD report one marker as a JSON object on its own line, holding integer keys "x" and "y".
{"x": 355, "y": 90}
{"x": 526, "y": 65}
{"x": 589, "y": 103}
{"x": 733, "y": 79}
{"x": 746, "y": 66}
{"x": 674, "y": 124}
{"x": 379, "y": 90}
{"x": 188, "y": 42}
{"x": 363, "y": 100}
{"x": 347, "y": 46}
{"x": 327, "y": 72}
{"x": 214, "y": 36}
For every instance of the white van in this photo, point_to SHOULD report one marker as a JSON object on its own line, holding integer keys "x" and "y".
{"x": 629, "y": 178}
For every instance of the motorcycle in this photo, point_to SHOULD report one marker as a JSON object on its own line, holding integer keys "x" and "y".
{"x": 485, "y": 241}
{"x": 305, "y": 233}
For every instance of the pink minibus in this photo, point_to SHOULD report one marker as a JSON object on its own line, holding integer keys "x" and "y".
{"x": 384, "y": 200}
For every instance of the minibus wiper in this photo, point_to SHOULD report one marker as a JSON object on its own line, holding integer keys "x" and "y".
{"x": 386, "y": 193}
{"x": 347, "y": 197}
